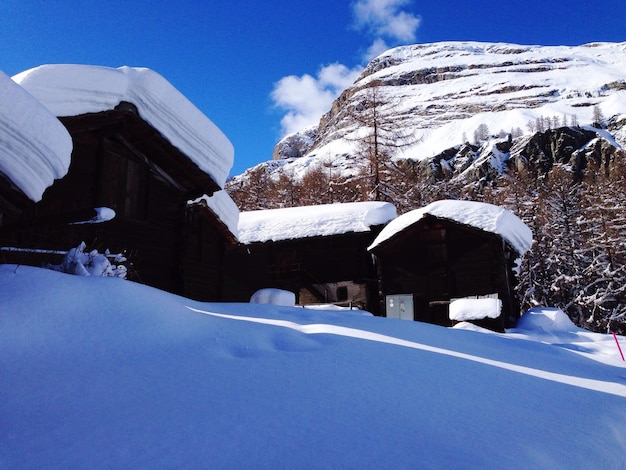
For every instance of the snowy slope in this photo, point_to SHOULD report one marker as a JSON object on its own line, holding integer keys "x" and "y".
{"x": 70, "y": 90}
{"x": 35, "y": 148}
{"x": 446, "y": 90}
{"x": 105, "y": 373}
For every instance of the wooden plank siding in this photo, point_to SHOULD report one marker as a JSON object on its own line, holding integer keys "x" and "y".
{"x": 119, "y": 161}
{"x": 436, "y": 261}
{"x": 203, "y": 257}
{"x": 307, "y": 267}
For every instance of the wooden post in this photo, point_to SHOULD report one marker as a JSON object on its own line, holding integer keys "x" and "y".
{"x": 618, "y": 346}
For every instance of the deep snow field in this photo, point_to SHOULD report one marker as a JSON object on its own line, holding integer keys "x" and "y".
{"x": 106, "y": 373}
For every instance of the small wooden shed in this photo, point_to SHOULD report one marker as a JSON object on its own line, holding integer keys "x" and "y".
{"x": 449, "y": 250}
{"x": 146, "y": 160}
{"x": 317, "y": 252}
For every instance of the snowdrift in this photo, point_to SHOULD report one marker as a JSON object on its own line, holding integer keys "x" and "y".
{"x": 101, "y": 372}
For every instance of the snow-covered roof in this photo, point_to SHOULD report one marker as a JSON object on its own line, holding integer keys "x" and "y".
{"x": 312, "y": 221}
{"x": 224, "y": 208}
{"x": 72, "y": 90}
{"x": 35, "y": 148}
{"x": 483, "y": 216}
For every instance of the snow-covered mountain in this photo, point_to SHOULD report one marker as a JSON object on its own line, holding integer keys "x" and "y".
{"x": 446, "y": 94}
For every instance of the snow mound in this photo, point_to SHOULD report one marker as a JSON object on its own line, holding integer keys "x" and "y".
{"x": 464, "y": 325}
{"x": 272, "y": 296}
{"x": 475, "y": 309}
{"x": 483, "y": 216}
{"x": 546, "y": 319}
{"x": 35, "y": 148}
{"x": 311, "y": 221}
{"x": 71, "y": 90}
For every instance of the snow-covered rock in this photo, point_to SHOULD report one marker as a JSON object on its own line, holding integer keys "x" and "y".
{"x": 295, "y": 145}
{"x": 35, "y": 148}
{"x": 71, "y": 90}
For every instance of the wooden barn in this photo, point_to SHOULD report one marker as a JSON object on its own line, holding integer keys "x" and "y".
{"x": 142, "y": 150}
{"x": 450, "y": 250}
{"x": 317, "y": 252}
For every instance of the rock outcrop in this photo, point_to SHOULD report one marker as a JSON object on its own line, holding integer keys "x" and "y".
{"x": 295, "y": 145}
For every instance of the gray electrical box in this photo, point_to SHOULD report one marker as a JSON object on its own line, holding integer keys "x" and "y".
{"x": 400, "y": 306}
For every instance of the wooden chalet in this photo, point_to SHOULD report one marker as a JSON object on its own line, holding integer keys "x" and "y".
{"x": 317, "y": 252}
{"x": 450, "y": 250}
{"x": 122, "y": 162}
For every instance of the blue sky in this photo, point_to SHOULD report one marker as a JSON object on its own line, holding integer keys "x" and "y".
{"x": 259, "y": 69}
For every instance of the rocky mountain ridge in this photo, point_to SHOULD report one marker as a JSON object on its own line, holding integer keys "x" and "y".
{"x": 443, "y": 93}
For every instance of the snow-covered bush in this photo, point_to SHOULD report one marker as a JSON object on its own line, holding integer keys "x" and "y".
{"x": 91, "y": 263}
{"x": 546, "y": 319}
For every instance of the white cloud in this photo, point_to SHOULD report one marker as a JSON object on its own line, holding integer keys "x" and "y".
{"x": 307, "y": 98}
{"x": 377, "y": 47}
{"x": 385, "y": 20}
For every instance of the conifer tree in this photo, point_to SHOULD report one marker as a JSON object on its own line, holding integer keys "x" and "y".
{"x": 602, "y": 225}
{"x": 379, "y": 138}
{"x": 559, "y": 241}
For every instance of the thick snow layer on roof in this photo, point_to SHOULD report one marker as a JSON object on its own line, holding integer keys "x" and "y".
{"x": 71, "y": 90}
{"x": 224, "y": 208}
{"x": 312, "y": 221}
{"x": 35, "y": 148}
{"x": 479, "y": 215}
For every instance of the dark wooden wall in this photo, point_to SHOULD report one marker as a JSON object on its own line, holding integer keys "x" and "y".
{"x": 113, "y": 165}
{"x": 203, "y": 257}
{"x": 300, "y": 264}
{"x": 437, "y": 261}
